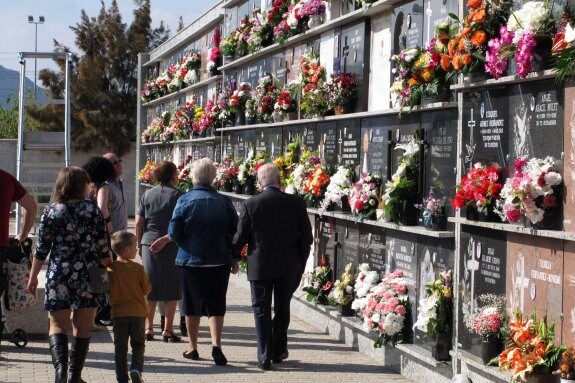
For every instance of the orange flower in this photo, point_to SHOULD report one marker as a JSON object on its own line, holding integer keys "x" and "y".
{"x": 457, "y": 62}
{"x": 479, "y": 16}
{"x": 427, "y": 75}
{"x": 452, "y": 46}
{"x": 466, "y": 58}
{"x": 478, "y": 38}
{"x": 465, "y": 32}
{"x": 412, "y": 82}
{"x": 446, "y": 63}
{"x": 474, "y": 3}
{"x": 461, "y": 45}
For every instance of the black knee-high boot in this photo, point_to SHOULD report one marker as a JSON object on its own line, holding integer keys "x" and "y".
{"x": 59, "y": 351}
{"x": 78, "y": 354}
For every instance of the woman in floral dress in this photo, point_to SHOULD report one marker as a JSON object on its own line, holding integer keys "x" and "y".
{"x": 73, "y": 232}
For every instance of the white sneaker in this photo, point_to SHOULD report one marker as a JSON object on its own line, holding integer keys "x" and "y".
{"x": 136, "y": 376}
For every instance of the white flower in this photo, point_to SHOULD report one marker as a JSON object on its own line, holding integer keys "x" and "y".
{"x": 410, "y": 149}
{"x": 409, "y": 54}
{"x": 375, "y": 318}
{"x": 552, "y": 178}
{"x": 569, "y": 34}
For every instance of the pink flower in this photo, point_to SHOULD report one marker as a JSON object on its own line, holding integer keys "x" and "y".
{"x": 513, "y": 215}
{"x": 400, "y": 310}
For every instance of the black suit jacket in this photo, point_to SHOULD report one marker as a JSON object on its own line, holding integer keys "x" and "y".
{"x": 276, "y": 227}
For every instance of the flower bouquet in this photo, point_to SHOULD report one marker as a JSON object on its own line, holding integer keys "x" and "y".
{"x": 479, "y": 190}
{"x": 338, "y": 190}
{"x": 435, "y": 314}
{"x": 248, "y": 170}
{"x": 226, "y": 173}
{"x": 387, "y": 308}
{"x": 364, "y": 197}
{"x": 321, "y": 284}
{"x": 488, "y": 321}
{"x": 250, "y": 111}
{"x": 215, "y": 54}
{"x": 259, "y": 34}
{"x": 314, "y": 185}
{"x": 287, "y": 162}
{"x": 342, "y": 292}
{"x": 285, "y": 103}
{"x": 366, "y": 279}
{"x": 301, "y": 172}
{"x": 530, "y": 348}
{"x": 400, "y": 194}
{"x": 146, "y": 175}
{"x": 237, "y": 101}
{"x": 341, "y": 92}
{"x": 228, "y": 46}
{"x": 266, "y": 95}
{"x": 533, "y": 192}
{"x": 185, "y": 183}
{"x": 567, "y": 365}
{"x": 312, "y": 81}
{"x": 563, "y": 49}
{"x": 433, "y": 216}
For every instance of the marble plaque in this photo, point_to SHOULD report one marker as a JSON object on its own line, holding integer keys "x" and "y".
{"x": 279, "y": 68}
{"x": 569, "y": 145}
{"x": 328, "y": 142}
{"x": 228, "y": 148}
{"x": 402, "y": 133}
{"x": 568, "y": 334}
{"x": 306, "y": 131}
{"x": 535, "y": 276}
{"x": 349, "y": 143}
{"x": 436, "y": 12}
{"x": 486, "y": 127}
{"x": 324, "y": 240}
{"x": 374, "y": 146}
{"x": 348, "y": 251}
{"x": 253, "y": 74}
{"x": 372, "y": 247}
{"x": 240, "y": 148}
{"x": 293, "y": 56}
{"x": 482, "y": 264}
{"x": 353, "y": 50}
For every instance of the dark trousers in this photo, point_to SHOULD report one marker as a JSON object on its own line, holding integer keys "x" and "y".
{"x": 132, "y": 329}
{"x": 272, "y": 334}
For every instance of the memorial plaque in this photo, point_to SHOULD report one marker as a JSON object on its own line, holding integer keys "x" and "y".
{"x": 239, "y": 145}
{"x": 250, "y": 139}
{"x": 228, "y": 149}
{"x": 436, "y": 12}
{"x": 293, "y": 56}
{"x": 372, "y": 247}
{"x": 482, "y": 264}
{"x": 328, "y": 141}
{"x": 440, "y": 163}
{"x": 353, "y": 51}
{"x": 535, "y": 115}
{"x": 253, "y": 74}
{"x": 402, "y": 131}
{"x": 231, "y": 79}
{"x": 196, "y": 151}
{"x": 269, "y": 140}
{"x": 568, "y": 305}
{"x": 374, "y": 146}
{"x": 217, "y": 151}
{"x": 349, "y": 144}
{"x": 535, "y": 276}
{"x": 348, "y": 252}
{"x": 406, "y": 24}
{"x": 402, "y": 255}
{"x": 569, "y": 167}
{"x": 307, "y": 133}
{"x": 279, "y": 68}
{"x": 485, "y": 127}
{"x": 265, "y": 66}
{"x": 324, "y": 240}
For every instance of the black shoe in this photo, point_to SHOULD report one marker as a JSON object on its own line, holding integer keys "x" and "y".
{"x": 218, "y": 356}
{"x": 193, "y": 355}
{"x": 281, "y": 357}
{"x": 265, "y": 366}
{"x": 135, "y": 376}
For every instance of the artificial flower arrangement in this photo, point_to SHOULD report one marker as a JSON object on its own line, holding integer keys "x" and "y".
{"x": 364, "y": 197}
{"x": 250, "y": 109}
{"x": 205, "y": 118}
{"x": 222, "y": 111}
{"x": 365, "y": 280}
{"x": 489, "y": 318}
{"x": 312, "y": 8}
{"x": 248, "y": 169}
{"x": 287, "y": 162}
{"x": 403, "y": 183}
{"x": 215, "y": 54}
{"x": 534, "y": 189}
{"x": 285, "y": 102}
{"x": 528, "y": 28}
{"x": 185, "y": 183}
{"x": 276, "y": 21}
{"x": 484, "y": 18}
{"x": 320, "y": 283}
{"x": 146, "y": 174}
{"x": 480, "y": 188}
{"x": 342, "y": 91}
{"x": 338, "y": 190}
{"x": 239, "y": 97}
{"x": 228, "y": 45}
{"x": 154, "y": 131}
{"x": 436, "y": 309}
{"x": 342, "y": 291}
{"x": 266, "y": 95}
{"x": 260, "y": 32}
{"x": 433, "y": 211}
{"x": 192, "y": 61}
{"x": 530, "y": 347}
{"x": 314, "y": 102}
{"x": 226, "y": 173}
{"x": 563, "y": 49}
{"x": 307, "y": 163}
{"x": 315, "y": 184}
{"x": 386, "y": 310}
{"x": 567, "y": 364}
{"x": 242, "y": 35}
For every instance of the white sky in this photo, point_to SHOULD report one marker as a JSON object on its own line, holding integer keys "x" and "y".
{"x": 17, "y": 35}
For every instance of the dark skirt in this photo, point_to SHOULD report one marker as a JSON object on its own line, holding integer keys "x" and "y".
{"x": 204, "y": 290}
{"x": 162, "y": 272}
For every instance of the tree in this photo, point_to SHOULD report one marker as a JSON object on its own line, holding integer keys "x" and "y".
{"x": 103, "y": 84}
{"x": 9, "y": 120}
{"x": 180, "y": 24}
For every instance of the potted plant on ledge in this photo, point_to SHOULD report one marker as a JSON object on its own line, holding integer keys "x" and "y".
{"x": 488, "y": 321}
{"x": 342, "y": 293}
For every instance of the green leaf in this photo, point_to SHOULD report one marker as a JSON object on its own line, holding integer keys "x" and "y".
{"x": 454, "y": 16}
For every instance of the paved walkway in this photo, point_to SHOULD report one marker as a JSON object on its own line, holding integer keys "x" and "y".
{"x": 314, "y": 356}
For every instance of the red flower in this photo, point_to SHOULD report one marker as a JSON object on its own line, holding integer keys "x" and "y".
{"x": 359, "y": 205}
{"x": 327, "y": 286}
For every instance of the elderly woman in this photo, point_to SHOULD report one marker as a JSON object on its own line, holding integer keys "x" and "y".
{"x": 72, "y": 235}
{"x": 157, "y": 251}
{"x": 203, "y": 225}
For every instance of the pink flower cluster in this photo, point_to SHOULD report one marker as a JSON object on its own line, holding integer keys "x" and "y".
{"x": 364, "y": 197}
{"x": 486, "y": 323}
{"x": 312, "y": 7}
{"x": 524, "y": 55}
{"x": 494, "y": 64}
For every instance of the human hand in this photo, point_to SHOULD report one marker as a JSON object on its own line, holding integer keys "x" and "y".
{"x": 32, "y": 284}
{"x": 159, "y": 244}
{"x": 235, "y": 268}
{"x": 20, "y": 237}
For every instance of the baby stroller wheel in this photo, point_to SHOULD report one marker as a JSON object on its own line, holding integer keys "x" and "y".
{"x": 19, "y": 338}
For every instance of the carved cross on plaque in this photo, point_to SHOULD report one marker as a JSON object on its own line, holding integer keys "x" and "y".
{"x": 345, "y": 53}
{"x": 520, "y": 282}
{"x": 340, "y": 144}
{"x": 471, "y": 146}
{"x": 473, "y": 266}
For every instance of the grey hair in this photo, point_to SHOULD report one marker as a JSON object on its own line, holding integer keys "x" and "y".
{"x": 203, "y": 171}
{"x": 268, "y": 175}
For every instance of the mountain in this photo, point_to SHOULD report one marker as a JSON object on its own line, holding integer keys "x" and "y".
{"x": 10, "y": 83}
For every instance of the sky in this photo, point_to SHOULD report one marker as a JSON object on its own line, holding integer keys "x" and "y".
{"x": 17, "y": 35}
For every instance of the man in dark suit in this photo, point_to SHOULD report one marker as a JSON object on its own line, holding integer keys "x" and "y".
{"x": 278, "y": 232}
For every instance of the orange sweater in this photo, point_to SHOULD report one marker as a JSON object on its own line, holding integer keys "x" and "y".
{"x": 129, "y": 285}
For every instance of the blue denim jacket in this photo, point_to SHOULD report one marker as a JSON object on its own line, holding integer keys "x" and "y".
{"x": 203, "y": 225}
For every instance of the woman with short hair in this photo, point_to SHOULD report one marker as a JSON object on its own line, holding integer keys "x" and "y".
{"x": 203, "y": 225}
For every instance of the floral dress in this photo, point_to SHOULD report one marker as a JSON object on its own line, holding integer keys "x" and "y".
{"x": 74, "y": 235}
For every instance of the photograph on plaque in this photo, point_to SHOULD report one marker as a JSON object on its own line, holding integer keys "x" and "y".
{"x": 372, "y": 247}
{"x": 485, "y": 128}
{"x": 374, "y": 146}
{"x": 349, "y": 144}
{"x": 324, "y": 240}
{"x": 535, "y": 276}
{"x": 348, "y": 250}
{"x": 433, "y": 257}
{"x": 482, "y": 265}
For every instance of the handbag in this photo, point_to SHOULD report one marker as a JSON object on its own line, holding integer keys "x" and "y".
{"x": 18, "y": 267}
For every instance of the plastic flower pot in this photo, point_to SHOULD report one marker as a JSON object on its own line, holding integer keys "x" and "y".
{"x": 491, "y": 347}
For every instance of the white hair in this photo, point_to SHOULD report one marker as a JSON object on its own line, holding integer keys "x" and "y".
{"x": 268, "y": 175}
{"x": 203, "y": 171}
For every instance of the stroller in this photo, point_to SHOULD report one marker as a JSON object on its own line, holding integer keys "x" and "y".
{"x": 15, "y": 253}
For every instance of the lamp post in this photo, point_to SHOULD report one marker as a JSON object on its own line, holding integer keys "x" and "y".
{"x": 31, "y": 21}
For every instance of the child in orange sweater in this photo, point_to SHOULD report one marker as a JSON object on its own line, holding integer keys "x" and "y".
{"x": 129, "y": 285}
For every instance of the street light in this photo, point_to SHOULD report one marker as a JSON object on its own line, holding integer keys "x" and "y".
{"x": 31, "y": 21}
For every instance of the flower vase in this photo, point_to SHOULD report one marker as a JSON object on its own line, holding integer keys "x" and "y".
{"x": 408, "y": 212}
{"x": 443, "y": 95}
{"x": 472, "y": 214}
{"x": 314, "y": 21}
{"x": 290, "y": 116}
{"x": 237, "y": 187}
{"x": 539, "y": 377}
{"x": 346, "y": 310}
{"x": 344, "y": 205}
{"x": 440, "y": 350}
{"x": 339, "y": 110}
{"x": 277, "y": 116}
{"x": 240, "y": 119}
{"x": 551, "y": 220}
{"x": 438, "y": 222}
{"x": 491, "y": 347}
{"x": 228, "y": 186}
{"x": 250, "y": 120}
{"x": 228, "y": 59}
{"x": 540, "y": 57}
{"x": 249, "y": 187}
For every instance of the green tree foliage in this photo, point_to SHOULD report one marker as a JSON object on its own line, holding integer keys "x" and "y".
{"x": 103, "y": 84}
{"x": 9, "y": 120}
